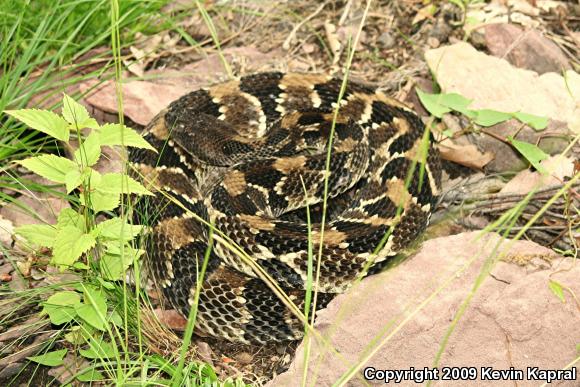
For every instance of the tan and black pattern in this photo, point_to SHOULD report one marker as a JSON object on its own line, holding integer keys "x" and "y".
{"x": 236, "y": 155}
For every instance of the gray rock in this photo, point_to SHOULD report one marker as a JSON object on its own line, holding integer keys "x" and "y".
{"x": 386, "y": 40}
{"x": 527, "y": 49}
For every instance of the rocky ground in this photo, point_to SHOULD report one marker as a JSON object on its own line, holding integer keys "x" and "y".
{"x": 503, "y": 55}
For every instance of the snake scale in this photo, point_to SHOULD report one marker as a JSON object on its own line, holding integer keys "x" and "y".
{"x": 249, "y": 156}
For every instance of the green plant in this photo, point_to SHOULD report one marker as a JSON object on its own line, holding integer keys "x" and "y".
{"x": 47, "y": 46}
{"x": 77, "y": 239}
{"x": 96, "y": 312}
{"x": 76, "y": 231}
{"x": 439, "y": 104}
{"x": 464, "y": 5}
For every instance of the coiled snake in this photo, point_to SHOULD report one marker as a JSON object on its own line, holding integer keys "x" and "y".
{"x": 248, "y": 155}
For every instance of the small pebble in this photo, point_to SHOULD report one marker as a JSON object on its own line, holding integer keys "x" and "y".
{"x": 433, "y": 42}
{"x": 386, "y": 40}
{"x": 5, "y": 277}
{"x": 453, "y": 40}
{"x": 308, "y": 48}
{"x": 477, "y": 39}
{"x": 441, "y": 31}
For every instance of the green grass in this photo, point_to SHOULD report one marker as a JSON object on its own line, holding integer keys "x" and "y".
{"x": 42, "y": 47}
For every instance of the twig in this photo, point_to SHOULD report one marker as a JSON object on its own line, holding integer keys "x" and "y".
{"x": 286, "y": 44}
{"x": 345, "y": 13}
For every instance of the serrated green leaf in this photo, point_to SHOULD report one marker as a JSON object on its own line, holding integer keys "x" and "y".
{"x": 69, "y": 217}
{"x": 91, "y": 178}
{"x": 115, "y": 261}
{"x": 43, "y": 121}
{"x": 94, "y": 309}
{"x": 72, "y": 180}
{"x": 487, "y": 117}
{"x": 98, "y": 349}
{"x": 70, "y": 244}
{"x": 38, "y": 234}
{"x": 118, "y": 229}
{"x": 556, "y": 288}
{"x": 536, "y": 122}
{"x": 531, "y": 153}
{"x": 76, "y": 114}
{"x": 432, "y": 102}
{"x": 51, "y": 167}
{"x": 89, "y": 152}
{"x": 50, "y": 359}
{"x": 100, "y": 201}
{"x": 114, "y": 248}
{"x": 72, "y": 111}
{"x": 113, "y": 267}
{"x": 60, "y": 307}
{"x": 116, "y": 183}
{"x": 117, "y": 134}
{"x": 91, "y": 375}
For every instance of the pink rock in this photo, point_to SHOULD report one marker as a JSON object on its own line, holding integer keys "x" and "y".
{"x": 512, "y": 320}
{"x": 527, "y": 49}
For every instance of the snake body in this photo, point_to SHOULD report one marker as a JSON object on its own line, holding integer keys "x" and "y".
{"x": 250, "y": 157}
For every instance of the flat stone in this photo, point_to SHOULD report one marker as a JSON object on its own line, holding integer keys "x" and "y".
{"x": 493, "y": 83}
{"x": 405, "y": 314}
{"x": 527, "y": 49}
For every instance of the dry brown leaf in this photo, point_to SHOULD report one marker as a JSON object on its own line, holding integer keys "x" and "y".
{"x": 499, "y": 11}
{"x": 205, "y": 353}
{"x": 6, "y": 231}
{"x": 346, "y": 33}
{"x": 24, "y": 267}
{"x": 171, "y": 318}
{"x": 309, "y": 48}
{"x": 5, "y": 277}
{"x": 426, "y": 12}
{"x": 467, "y": 155}
{"x": 548, "y": 5}
{"x": 136, "y": 65}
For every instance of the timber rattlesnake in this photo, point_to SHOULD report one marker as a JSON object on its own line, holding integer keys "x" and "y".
{"x": 240, "y": 155}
